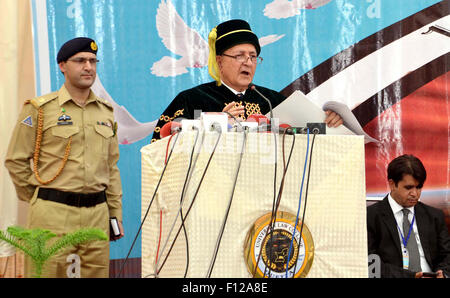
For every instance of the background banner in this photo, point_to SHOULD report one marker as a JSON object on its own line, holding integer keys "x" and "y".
{"x": 386, "y": 60}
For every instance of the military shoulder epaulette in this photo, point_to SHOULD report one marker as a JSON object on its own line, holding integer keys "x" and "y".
{"x": 105, "y": 102}
{"x": 37, "y": 102}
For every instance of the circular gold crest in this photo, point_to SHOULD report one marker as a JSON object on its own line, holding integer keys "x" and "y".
{"x": 268, "y": 251}
{"x": 94, "y": 46}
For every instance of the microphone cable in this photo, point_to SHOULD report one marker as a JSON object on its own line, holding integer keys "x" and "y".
{"x": 219, "y": 239}
{"x": 149, "y": 206}
{"x": 304, "y": 208}
{"x": 280, "y": 191}
{"x": 253, "y": 88}
{"x": 190, "y": 206}
{"x": 285, "y": 168}
{"x": 300, "y": 200}
{"x": 274, "y": 192}
{"x": 188, "y": 175}
{"x": 180, "y": 211}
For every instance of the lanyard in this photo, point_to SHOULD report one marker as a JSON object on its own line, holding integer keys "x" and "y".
{"x": 405, "y": 241}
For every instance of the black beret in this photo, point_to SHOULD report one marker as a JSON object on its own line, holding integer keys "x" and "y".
{"x": 234, "y": 32}
{"x": 74, "y": 46}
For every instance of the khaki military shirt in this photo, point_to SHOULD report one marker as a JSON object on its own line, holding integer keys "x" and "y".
{"x": 92, "y": 162}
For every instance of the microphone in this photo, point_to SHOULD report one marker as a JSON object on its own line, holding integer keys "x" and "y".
{"x": 216, "y": 126}
{"x": 169, "y": 128}
{"x": 258, "y": 118}
{"x": 262, "y": 121}
{"x": 252, "y": 87}
{"x": 265, "y": 125}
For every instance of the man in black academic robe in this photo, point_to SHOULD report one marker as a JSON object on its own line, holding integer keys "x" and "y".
{"x": 233, "y": 56}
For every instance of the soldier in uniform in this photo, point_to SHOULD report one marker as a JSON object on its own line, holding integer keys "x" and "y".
{"x": 233, "y": 56}
{"x": 73, "y": 182}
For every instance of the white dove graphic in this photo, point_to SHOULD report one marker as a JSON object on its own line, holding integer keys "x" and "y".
{"x": 129, "y": 129}
{"x": 282, "y": 9}
{"x": 185, "y": 42}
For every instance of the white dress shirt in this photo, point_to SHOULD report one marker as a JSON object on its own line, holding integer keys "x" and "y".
{"x": 398, "y": 214}
{"x": 232, "y": 90}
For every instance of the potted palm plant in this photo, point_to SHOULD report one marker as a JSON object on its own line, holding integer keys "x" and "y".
{"x": 33, "y": 242}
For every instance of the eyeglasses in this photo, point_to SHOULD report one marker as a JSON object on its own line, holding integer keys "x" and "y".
{"x": 244, "y": 58}
{"x": 82, "y": 60}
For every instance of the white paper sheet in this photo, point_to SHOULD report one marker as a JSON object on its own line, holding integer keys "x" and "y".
{"x": 297, "y": 110}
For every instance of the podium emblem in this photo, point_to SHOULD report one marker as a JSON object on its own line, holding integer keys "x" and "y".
{"x": 267, "y": 251}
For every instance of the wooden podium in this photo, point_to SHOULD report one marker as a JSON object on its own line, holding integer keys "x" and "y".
{"x": 240, "y": 239}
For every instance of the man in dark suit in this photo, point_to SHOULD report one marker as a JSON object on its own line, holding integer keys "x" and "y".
{"x": 410, "y": 238}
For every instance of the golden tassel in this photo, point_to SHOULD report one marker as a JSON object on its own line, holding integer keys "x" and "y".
{"x": 213, "y": 68}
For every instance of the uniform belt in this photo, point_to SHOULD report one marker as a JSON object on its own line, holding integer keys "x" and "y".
{"x": 72, "y": 198}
